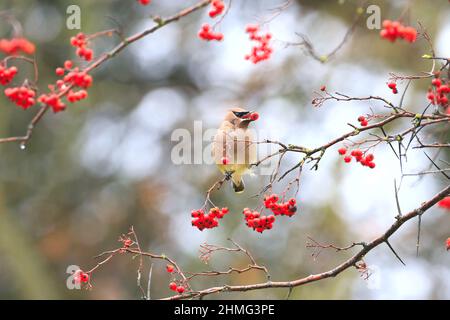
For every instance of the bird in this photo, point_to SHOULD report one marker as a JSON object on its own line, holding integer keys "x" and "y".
{"x": 233, "y": 149}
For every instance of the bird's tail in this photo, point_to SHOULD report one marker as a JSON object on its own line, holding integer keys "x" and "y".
{"x": 238, "y": 184}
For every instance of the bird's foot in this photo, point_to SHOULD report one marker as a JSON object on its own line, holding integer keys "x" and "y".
{"x": 228, "y": 175}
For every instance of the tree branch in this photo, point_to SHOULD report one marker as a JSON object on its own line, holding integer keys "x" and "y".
{"x": 330, "y": 273}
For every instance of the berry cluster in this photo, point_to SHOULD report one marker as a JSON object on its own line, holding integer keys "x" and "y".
{"x": 53, "y": 100}
{"x": 16, "y": 45}
{"x": 363, "y": 121}
{"x": 438, "y": 94}
{"x": 394, "y": 29}
{"x": 207, "y": 33}
{"x": 209, "y": 220}
{"x": 173, "y": 285}
{"x": 78, "y": 78}
{"x": 261, "y": 51}
{"x": 217, "y": 8}
{"x": 393, "y": 87}
{"x": 445, "y": 203}
{"x": 80, "y": 277}
{"x": 144, "y": 2}
{"x": 73, "y": 78}
{"x": 21, "y": 96}
{"x": 7, "y": 74}
{"x": 74, "y": 96}
{"x": 283, "y": 208}
{"x": 126, "y": 243}
{"x": 365, "y": 160}
{"x": 258, "y": 222}
{"x": 80, "y": 41}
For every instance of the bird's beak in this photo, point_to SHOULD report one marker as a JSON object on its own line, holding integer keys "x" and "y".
{"x": 247, "y": 116}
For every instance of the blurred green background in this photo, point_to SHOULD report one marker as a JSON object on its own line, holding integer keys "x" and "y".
{"x": 91, "y": 172}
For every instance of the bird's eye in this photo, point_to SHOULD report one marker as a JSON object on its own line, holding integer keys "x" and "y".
{"x": 240, "y": 114}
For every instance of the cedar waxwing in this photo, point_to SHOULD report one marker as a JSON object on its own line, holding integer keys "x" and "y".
{"x": 233, "y": 149}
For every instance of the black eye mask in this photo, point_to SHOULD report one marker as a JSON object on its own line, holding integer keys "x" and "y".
{"x": 241, "y": 114}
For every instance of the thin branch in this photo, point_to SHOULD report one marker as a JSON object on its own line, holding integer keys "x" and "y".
{"x": 159, "y": 23}
{"x": 383, "y": 238}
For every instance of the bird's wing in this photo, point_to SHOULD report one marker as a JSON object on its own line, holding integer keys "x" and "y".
{"x": 221, "y": 143}
{"x": 251, "y": 147}
{"x": 235, "y": 144}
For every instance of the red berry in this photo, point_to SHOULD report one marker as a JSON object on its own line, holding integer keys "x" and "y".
{"x": 180, "y": 289}
{"x": 447, "y": 244}
{"x": 323, "y": 88}
{"x": 443, "y": 100}
{"x": 251, "y": 28}
{"x": 60, "y": 71}
{"x": 68, "y": 64}
{"x": 170, "y": 268}
{"x": 436, "y": 82}
{"x": 127, "y": 243}
{"x": 387, "y": 24}
{"x": 80, "y": 277}
{"x": 84, "y": 277}
{"x": 443, "y": 89}
{"x": 225, "y": 161}
{"x": 392, "y": 85}
{"x": 347, "y": 159}
{"x": 431, "y": 97}
{"x": 254, "y": 116}
{"x": 445, "y": 203}
{"x": 342, "y": 151}
{"x": 173, "y": 286}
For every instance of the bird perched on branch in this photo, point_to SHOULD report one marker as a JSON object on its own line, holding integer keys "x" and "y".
{"x": 233, "y": 148}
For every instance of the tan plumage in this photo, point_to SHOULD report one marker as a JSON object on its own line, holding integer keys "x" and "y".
{"x": 233, "y": 142}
